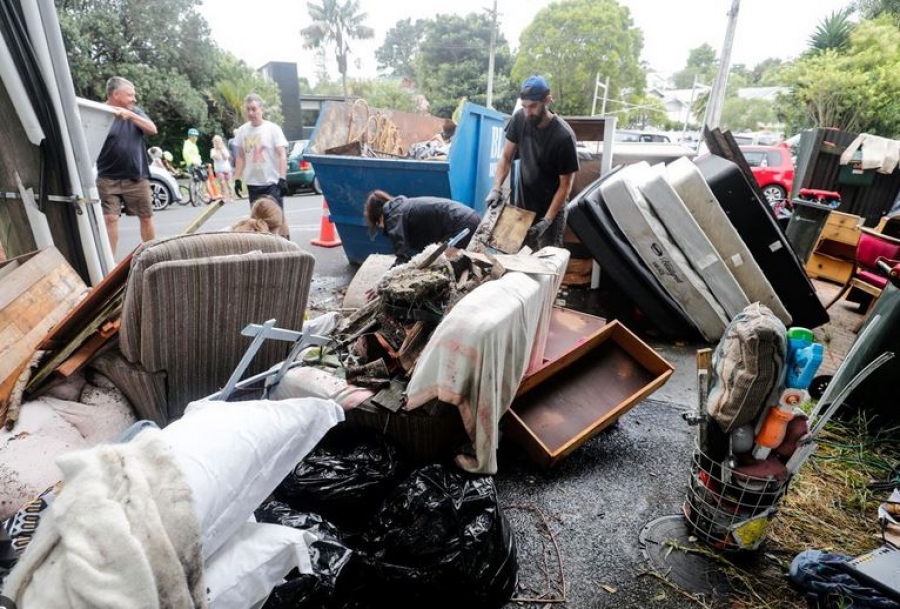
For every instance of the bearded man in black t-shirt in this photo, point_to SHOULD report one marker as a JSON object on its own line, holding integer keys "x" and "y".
{"x": 545, "y": 147}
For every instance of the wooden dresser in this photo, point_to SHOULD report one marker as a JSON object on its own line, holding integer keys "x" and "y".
{"x": 832, "y": 258}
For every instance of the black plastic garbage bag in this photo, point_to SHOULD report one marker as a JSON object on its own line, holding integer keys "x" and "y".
{"x": 345, "y": 478}
{"x": 330, "y": 559}
{"x": 440, "y": 539}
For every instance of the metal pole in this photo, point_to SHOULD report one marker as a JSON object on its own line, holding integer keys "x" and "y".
{"x": 596, "y": 86}
{"x": 605, "y": 96}
{"x": 687, "y": 115}
{"x": 490, "y": 82}
{"x": 717, "y": 95}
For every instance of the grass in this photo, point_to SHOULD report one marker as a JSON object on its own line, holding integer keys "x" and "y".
{"x": 829, "y": 506}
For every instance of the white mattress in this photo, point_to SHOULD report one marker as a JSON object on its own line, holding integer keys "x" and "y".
{"x": 655, "y": 247}
{"x": 695, "y": 193}
{"x": 688, "y": 236}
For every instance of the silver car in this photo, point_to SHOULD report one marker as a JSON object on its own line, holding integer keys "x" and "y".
{"x": 164, "y": 188}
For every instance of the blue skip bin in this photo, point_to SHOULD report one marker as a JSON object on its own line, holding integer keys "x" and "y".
{"x": 465, "y": 176}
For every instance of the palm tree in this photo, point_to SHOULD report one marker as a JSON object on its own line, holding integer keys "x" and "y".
{"x": 833, "y": 32}
{"x": 336, "y": 23}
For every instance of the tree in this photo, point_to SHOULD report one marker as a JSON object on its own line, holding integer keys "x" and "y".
{"x": 386, "y": 93}
{"x": 747, "y": 114}
{"x": 833, "y": 32}
{"x": 769, "y": 73}
{"x": 870, "y": 9}
{"x": 854, "y": 89}
{"x": 702, "y": 65}
{"x": 571, "y": 42}
{"x": 162, "y": 47}
{"x": 233, "y": 81}
{"x": 336, "y": 23}
{"x": 453, "y": 60}
{"x": 400, "y": 48}
{"x": 644, "y": 111}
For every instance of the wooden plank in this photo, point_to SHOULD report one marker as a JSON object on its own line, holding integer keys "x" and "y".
{"x": 37, "y": 295}
{"x": 8, "y": 268}
{"x": 510, "y": 229}
{"x": 86, "y": 351}
{"x": 111, "y": 286}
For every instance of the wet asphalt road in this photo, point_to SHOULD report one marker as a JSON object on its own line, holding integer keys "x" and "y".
{"x": 597, "y": 500}
{"x": 304, "y": 214}
{"x": 600, "y": 497}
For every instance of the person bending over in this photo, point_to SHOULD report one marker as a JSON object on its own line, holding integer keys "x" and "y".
{"x": 413, "y": 223}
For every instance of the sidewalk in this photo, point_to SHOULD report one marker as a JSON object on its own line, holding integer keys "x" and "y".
{"x": 837, "y": 335}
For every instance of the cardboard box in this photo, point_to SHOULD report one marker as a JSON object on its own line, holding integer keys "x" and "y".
{"x": 584, "y": 386}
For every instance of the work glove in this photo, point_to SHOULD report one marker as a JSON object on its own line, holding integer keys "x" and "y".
{"x": 537, "y": 231}
{"x": 494, "y": 198}
{"x": 283, "y": 187}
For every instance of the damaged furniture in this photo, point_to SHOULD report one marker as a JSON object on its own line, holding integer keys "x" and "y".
{"x": 865, "y": 276}
{"x": 186, "y": 302}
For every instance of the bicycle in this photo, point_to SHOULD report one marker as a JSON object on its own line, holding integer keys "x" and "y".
{"x": 195, "y": 191}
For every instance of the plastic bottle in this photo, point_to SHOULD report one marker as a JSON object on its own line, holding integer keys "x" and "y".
{"x": 772, "y": 430}
{"x": 798, "y": 338}
{"x": 803, "y": 365}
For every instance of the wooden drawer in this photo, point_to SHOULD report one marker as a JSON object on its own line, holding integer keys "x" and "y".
{"x": 830, "y": 268}
{"x": 842, "y": 227}
{"x": 836, "y": 249}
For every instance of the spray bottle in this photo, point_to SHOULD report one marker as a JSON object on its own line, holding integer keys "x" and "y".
{"x": 772, "y": 429}
{"x": 803, "y": 358}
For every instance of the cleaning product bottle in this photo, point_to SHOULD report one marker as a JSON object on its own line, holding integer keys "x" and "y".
{"x": 773, "y": 427}
{"x": 803, "y": 358}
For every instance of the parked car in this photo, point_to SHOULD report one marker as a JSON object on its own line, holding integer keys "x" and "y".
{"x": 164, "y": 188}
{"x": 626, "y": 135}
{"x": 300, "y": 175}
{"x": 773, "y": 169}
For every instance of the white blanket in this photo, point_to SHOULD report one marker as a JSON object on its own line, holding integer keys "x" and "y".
{"x": 476, "y": 358}
{"x": 878, "y": 152}
{"x": 121, "y": 533}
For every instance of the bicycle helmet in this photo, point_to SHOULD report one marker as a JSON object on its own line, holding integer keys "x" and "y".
{"x": 193, "y": 131}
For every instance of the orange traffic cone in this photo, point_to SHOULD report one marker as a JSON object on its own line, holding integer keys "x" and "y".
{"x": 214, "y": 193}
{"x": 327, "y": 234}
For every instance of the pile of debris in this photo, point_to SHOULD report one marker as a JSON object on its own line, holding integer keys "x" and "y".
{"x": 382, "y": 340}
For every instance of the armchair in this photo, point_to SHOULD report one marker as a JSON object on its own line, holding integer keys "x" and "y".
{"x": 187, "y": 299}
{"x": 866, "y": 276}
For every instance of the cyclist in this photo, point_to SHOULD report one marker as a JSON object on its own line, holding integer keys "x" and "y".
{"x": 190, "y": 152}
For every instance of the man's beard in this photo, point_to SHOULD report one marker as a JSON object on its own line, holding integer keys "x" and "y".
{"x": 537, "y": 118}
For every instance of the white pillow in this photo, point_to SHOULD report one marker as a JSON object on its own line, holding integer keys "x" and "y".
{"x": 254, "y": 560}
{"x": 234, "y": 454}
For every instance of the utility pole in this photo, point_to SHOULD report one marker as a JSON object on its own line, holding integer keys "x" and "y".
{"x": 490, "y": 83}
{"x": 717, "y": 95}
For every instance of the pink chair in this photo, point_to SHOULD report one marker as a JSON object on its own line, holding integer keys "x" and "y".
{"x": 865, "y": 277}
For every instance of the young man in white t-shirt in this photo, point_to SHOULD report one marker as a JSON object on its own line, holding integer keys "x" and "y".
{"x": 261, "y": 161}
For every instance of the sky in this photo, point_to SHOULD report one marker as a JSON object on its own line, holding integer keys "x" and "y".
{"x": 269, "y": 30}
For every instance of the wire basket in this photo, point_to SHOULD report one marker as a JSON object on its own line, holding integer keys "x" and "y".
{"x": 727, "y": 510}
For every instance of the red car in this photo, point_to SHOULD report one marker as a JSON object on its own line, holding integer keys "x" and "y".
{"x": 773, "y": 169}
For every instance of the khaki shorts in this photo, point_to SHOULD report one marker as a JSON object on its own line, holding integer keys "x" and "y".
{"x": 135, "y": 194}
